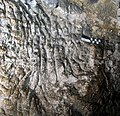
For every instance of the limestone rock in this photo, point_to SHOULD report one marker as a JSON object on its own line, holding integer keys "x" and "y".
{"x": 45, "y": 67}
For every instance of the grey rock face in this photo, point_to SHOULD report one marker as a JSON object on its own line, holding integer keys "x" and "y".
{"x": 109, "y": 97}
{"x": 45, "y": 68}
{"x": 113, "y": 63}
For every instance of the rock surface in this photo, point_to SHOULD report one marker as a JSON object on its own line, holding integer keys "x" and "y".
{"x": 45, "y": 67}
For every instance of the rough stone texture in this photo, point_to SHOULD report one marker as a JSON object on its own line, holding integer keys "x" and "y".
{"x": 108, "y": 102}
{"x": 45, "y": 68}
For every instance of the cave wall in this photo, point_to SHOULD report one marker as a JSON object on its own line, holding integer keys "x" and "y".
{"x": 45, "y": 68}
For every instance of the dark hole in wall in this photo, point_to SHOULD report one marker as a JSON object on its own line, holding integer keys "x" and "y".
{"x": 93, "y": 1}
{"x": 73, "y": 111}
